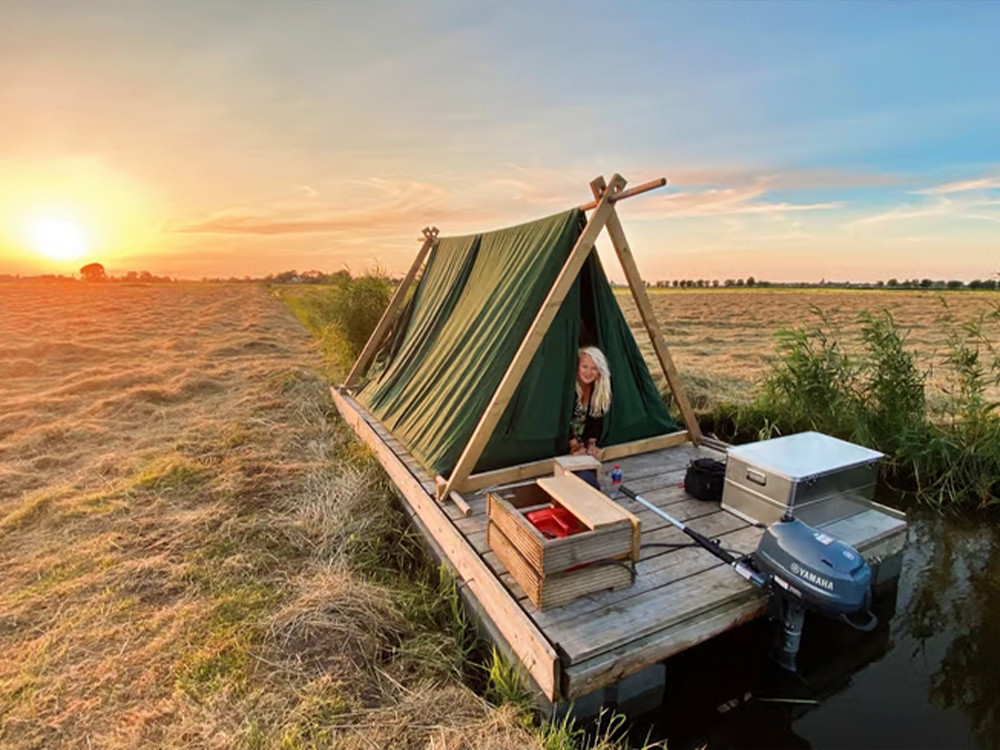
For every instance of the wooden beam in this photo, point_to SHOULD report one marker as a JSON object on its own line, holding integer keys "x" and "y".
{"x": 638, "y": 287}
{"x": 637, "y": 190}
{"x": 440, "y": 483}
{"x": 646, "y": 445}
{"x": 460, "y": 503}
{"x": 535, "y": 652}
{"x": 512, "y": 474}
{"x": 430, "y": 237}
{"x": 508, "y": 475}
{"x": 533, "y": 339}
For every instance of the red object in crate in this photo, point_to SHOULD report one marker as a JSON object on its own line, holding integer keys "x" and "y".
{"x": 555, "y": 522}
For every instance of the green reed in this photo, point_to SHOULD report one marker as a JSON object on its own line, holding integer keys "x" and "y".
{"x": 945, "y": 450}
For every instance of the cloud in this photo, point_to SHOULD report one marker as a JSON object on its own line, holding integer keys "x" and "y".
{"x": 734, "y": 201}
{"x": 733, "y": 191}
{"x": 941, "y": 208}
{"x": 983, "y": 183}
{"x": 391, "y": 205}
{"x": 798, "y": 179}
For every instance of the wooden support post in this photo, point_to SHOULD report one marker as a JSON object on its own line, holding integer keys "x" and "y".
{"x": 638, "y": 287}
{"x": 430, "y": 237}
{"x": 533, "y": 339}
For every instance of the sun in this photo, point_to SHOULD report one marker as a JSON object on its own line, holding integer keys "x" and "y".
{"x": 57, "y": 239}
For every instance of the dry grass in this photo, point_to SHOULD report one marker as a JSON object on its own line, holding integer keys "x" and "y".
{"x": 193, "y": 551}
{"x": 722, "y": 340}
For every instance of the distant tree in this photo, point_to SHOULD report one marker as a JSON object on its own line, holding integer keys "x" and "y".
{"x": 926, "y": 283}
{"x": 751, "y": 281}
{"x": 892, "y": 282}
{"x": 879, "y": 284}
{"x": 287, "y": 277}
{"x": 715, "y": 283}
{"x": 93, "y": 272}
{"x": 674, "y": 283}
{"x": 955, "y": 284}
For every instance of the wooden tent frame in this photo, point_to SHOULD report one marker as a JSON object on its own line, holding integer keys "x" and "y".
{"x": 604, "y": 217}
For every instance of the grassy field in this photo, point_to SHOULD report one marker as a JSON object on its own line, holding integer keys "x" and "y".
{"x": 722, "y": 340}
{"x": 194, "y": 552}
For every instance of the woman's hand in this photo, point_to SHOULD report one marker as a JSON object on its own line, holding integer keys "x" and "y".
{"x": 592, "y": 449}
{"x": 576, "y": 448}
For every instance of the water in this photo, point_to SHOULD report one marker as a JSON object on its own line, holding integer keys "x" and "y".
{"x": 927, "y": 677}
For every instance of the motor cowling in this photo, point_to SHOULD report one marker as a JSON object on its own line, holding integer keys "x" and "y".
{"x": 826, "y": 574}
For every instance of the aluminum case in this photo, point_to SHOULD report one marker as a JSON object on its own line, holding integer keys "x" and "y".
{"x": 820, "y": 478}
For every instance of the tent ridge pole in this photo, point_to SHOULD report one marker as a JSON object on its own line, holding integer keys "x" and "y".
{"x": 632, "y": 191}
{"x": 430, "y": 235}
{"x": 533, "y": 338}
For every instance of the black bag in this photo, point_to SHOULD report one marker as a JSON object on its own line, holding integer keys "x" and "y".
{"x": 704, "y": 479}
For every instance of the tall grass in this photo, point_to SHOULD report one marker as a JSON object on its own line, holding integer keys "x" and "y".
{"x": 341, "y": 315}
{"x": 944, "y": 447}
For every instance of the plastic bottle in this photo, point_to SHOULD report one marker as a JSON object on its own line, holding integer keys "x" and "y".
{"x": 616, "y": 475}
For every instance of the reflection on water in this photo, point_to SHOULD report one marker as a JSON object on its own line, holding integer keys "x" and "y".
{"x": 927, "y": 677}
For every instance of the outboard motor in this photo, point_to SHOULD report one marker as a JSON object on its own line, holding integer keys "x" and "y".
{"x": 803, "y": 569}
{"x": 810, "y": 570}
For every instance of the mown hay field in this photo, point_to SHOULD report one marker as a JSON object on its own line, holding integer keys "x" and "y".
{"x": 193, "y": 549}
{"x": 722, "y": 340}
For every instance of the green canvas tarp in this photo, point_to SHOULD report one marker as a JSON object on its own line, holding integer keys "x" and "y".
{"x": 468, "y": 315}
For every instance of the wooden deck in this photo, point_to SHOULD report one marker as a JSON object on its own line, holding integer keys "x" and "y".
{"x": 680, "y": 597}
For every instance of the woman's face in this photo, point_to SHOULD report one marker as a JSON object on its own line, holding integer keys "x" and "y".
{"x": 587, "y": 371}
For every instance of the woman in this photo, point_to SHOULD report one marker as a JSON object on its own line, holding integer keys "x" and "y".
{"x": 593, "y": 398}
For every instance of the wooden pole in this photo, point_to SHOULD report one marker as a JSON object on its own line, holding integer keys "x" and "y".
{"x": 533, "y": 339}
{"x": 638, "y": 287}
{"x": 430, "y": 237}
{"x": 638, "y": 189}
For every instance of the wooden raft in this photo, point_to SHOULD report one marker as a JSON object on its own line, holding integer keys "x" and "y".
{"x": 680, "y": 596}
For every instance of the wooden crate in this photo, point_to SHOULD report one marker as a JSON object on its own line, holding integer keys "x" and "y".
{"x": 556, "y": 571}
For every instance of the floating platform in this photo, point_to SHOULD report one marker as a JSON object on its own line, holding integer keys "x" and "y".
{"x": 681, "y": 596}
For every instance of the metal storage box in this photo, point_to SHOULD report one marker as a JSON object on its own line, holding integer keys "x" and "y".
{"x": 819, "y": 477}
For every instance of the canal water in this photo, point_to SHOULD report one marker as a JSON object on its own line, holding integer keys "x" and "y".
{"x": 928, "y": 676}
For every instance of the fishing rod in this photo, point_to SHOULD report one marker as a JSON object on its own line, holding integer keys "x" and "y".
{"x": 713, "y": 546}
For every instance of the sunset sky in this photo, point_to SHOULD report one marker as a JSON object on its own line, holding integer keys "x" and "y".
{"x": 801, "y": 141}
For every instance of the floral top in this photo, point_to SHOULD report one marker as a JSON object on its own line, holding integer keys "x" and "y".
{"x": 583, "y": 425}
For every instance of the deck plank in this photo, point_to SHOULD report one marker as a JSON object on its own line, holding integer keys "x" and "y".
{"x": 709, "y": 585}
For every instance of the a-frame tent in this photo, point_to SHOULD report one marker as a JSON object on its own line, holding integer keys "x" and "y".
{"x": 437, "y": 386}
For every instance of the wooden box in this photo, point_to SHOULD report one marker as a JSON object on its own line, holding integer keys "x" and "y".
{"x": 553, "y": 572}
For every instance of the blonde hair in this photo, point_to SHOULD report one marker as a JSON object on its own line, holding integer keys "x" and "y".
{"x": 600, "y": 395}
